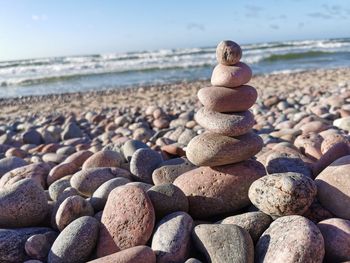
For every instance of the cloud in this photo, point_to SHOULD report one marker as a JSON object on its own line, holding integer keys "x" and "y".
{"x": 275, "y": 27}
{"x": 301, "y": 25}
{"x": 319, "y": 15}
{"x": 253, "y": 8}
{"x": 39, "y": 17}
{"x": 195, "y": 26}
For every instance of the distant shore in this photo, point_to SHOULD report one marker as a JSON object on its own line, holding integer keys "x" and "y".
{"x": 267, "y": 85}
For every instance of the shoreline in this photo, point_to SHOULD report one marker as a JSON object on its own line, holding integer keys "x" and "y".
{"x": 77, "y": 102}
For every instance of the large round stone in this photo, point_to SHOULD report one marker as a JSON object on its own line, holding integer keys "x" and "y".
{"x": 283, "y": 194}
{"x": 212, "y": 149}
{"x": 230, "y": 124}
{"x": 223, "y": 99}
{"x": 35, "y": 171}
{"x": 336, "y": 234}
{"x": 228, "y": 52}
{"x": 172, "y": 238}
{"x": 231, "y": 76}
{"x": 22, "y": 204}
{"x": 143, "y": 162}
{"x": 290, "y": 239}
{"x": 128, "y": 220}
{"x": 333, "y": 187}
{"x": 210, "y": 189}
{"x": 224, "y": 243}
{"x": 76, "y": 242}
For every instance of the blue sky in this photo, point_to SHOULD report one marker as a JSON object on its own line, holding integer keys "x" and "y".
{"x": 44, "y": 28}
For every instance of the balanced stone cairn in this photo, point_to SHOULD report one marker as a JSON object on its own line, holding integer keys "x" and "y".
{"x": 220, "y": 185}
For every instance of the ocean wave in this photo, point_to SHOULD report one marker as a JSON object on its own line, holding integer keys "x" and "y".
{"x": 60, "y": 69}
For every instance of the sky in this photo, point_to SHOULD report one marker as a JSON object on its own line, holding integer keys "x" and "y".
{"x": 44, "y": 28}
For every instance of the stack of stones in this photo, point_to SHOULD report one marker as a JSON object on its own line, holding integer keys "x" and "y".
{"x": 224, "y": 151}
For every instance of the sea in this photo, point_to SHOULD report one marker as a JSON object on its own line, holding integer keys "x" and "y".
{"x": 119, "y": 70}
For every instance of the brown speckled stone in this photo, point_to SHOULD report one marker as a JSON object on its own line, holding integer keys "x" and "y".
{"x": 128, "y": 220}
{"x": 36, "y": 171}
{"x": 138, "y": 254}
{"x": 254, "y": 222}
{"x": 228, "y": 52}
{"x": 61, "y": 170}
{"x": 283, "y": 194}
{"x": 290, "y": 239}
{"x": 333, "y": 187}
{"x": 230, "y": 124}
{"x": 212, "y": 149}
{"x": 336, "y": 235}
{"x": 22, "y": 204}
{"x": 209, "y": 189}
{"x": 78, "y": 158}
{"x": 103, "y": 159}
{"x": 223, "y": 99}
{"x": 224, "y": 243}
{"x": 231, "y": 76}
{"x": 72, "y": 208}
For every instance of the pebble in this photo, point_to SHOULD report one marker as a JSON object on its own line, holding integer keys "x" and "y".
{"x": 88, "y": 180}
{"x": 231, "y": 76}
{"x": 143, "y": 163}
{"x": 279, "y": 162}
{"x": 105, "y": 158}
{"x": 212, "y": 149}
{"x": 228, "y": 52}
{"x": 254, "y": 222}
{"x": 12, "y": 242}
{"x": 9, "y": 163}
{"x": 99, "y": 197}
{"x": 209, "y": 189}
{"x": 283, "y": 194}
{"x": 137, "y": 254}
{"x": 57, "y": 187}
{"x": 32, "y": 137}
{"x": 22, "y": 204}
{"x": 127, "y": 220}
{"x": 132, "y": 146}
{"x": 76, "y": 242}
{"x": 71, "y": 131}
{"x": 221, "y": 99}
{"x": 333, "y": 189}
{"x": 167, "y": 198}
{"x": 61, "y": 170}
{"x": 170, "y": 170}
{"x": 38, "y": 245}
{"x": 79, "y": 157}
{"x": 224, "y": 243}
{"x": 302, "y": 242}
{"x": 172, "y": 238}
{"x": 36, "y": 171}
{"x": 72, "y": 208}
{"x": 336, "y": 235}
{"x": 230, "y": 124}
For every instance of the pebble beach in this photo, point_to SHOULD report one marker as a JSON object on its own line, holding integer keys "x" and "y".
{"x": 180, "y": 173}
